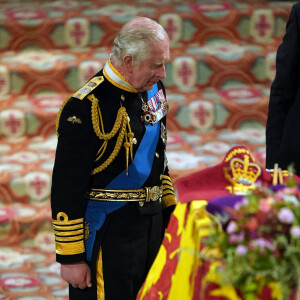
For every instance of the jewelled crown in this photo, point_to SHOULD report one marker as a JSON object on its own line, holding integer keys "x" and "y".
{"x": 241, "y": 170}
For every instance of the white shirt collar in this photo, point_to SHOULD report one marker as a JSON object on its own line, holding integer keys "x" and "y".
{"x": 116, "y": 78}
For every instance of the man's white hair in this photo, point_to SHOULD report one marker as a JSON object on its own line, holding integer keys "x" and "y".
{"x": 136, "y": 39}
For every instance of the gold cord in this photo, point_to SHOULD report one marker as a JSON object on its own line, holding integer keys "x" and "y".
{"x": 95, "y": 119}
{"x": 130, "y": 135}
{"x": 122, "y": 121}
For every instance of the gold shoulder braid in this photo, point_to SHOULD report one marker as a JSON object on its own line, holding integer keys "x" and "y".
{"x": 121, "y": 126}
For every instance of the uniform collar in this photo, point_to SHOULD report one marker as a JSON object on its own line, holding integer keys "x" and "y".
{"x": 116, "y": 78}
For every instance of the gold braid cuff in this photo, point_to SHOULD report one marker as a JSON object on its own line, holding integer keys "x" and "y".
{"x": 121, "y": 126}
{"x": 69, "y": 235}
{"x": 168, "y": 195}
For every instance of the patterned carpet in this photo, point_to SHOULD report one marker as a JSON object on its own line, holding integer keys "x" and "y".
{"x": 218, "y": 79}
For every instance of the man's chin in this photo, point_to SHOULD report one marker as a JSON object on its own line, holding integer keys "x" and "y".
{"x": 149, "y": 86}
{"x": 145, "y": 88}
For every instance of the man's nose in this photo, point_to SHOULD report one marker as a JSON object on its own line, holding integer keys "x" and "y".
{"x": 161, "y": 72}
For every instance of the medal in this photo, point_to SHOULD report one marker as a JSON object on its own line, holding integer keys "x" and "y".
{"x": 155, "y": 109}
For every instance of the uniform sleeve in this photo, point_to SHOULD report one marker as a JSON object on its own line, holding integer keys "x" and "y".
{"x": 73, "y": 164}
{"x": 169, "y": 199}
{"x": 284, "y": 87}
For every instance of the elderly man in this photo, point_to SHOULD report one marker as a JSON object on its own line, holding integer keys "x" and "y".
{"x": 111, "y": 191}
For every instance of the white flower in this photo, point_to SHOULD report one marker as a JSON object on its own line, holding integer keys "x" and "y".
{"x": 285, "y": 215}
{"x": 241, "y": 249}
{"x": 295, "y": 231}
{"x": 291, "y": 199}
{"x": 231, "y": 228}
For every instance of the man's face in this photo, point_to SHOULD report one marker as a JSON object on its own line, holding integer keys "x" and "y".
{"x": 151, "y": 69}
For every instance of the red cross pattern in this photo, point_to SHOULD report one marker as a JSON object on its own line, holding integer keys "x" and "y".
{"x": 47, "y": 240}
{"x": 262, "y": 26}
{"x": 185, "y": 72}
{"x": 170, "y": 28}
{"x": 44, "y": 239}
{"x": 12, "y": 123}
{"x": 77, "y": 33}
{"x": 38, "y": 184}
{"x": 202, "y": 114}
{"x": 3, "y": 83}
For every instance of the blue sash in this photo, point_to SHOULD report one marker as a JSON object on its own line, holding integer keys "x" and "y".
{"x": 138, "y": 172}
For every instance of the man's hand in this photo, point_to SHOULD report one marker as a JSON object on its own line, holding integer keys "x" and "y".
{"x": 78, "y": 275}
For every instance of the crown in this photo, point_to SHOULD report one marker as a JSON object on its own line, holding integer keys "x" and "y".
{"x": 242, "y": 175}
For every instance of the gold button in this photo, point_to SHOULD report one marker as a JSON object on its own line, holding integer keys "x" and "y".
{"x": 134, "y": 141}
{"x": 156, "y": 154}
{"x": 122, "y": 97}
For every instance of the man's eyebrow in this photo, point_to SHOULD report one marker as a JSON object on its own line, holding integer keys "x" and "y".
{"x": 163, "y": 62}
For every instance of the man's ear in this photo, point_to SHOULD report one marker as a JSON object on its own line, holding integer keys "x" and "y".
{"x": 128, "y": 63}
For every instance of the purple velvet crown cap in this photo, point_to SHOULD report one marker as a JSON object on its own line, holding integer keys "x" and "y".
{"x": 216, "y": 206}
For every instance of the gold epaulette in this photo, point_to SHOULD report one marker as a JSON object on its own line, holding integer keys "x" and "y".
{"x": 80, "y": 94}
{"x": 88, "y": 87}
{"x": 168, "y": 194}
{"x": 69, "y": 235}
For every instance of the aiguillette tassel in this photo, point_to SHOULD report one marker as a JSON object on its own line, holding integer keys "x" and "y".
{"x": 127, "y": 145}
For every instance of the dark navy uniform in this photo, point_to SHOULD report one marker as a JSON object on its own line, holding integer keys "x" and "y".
{"x": 111, "y": 154}
{"x": 283, "y": 123}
